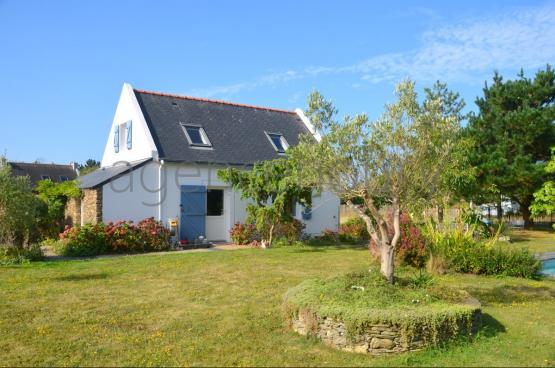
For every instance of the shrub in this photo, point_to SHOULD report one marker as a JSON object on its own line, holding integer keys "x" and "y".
{"x": 120, "y": 237}
{"x": 19, "y": 208}
{"x": 10, "y": 255}
{"x": 328, "y": 235}
{"x": 481, "y": 259}
{"x": 353, "y": 231}
{"x": 242, "y": 233}
{"x": 411, "y": 249}
{"x": 154, "y": 234}
{"x": 290, "y": 230}
{"x": 457, "y": 250}
{"x": 83, "y": 241}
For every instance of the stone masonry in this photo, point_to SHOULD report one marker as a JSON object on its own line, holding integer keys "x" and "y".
{"x": 378, "y": 339}
{"x": 91, "y": 206}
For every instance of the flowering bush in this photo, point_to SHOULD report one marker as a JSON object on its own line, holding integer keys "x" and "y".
{"x": 242, "y": 233}
{"x": 353, "y": 230}
{"x": 120, "y": 237}
{"x": 411, "y": 249}
{"x": 328, "y": 235}
{"x": 291, "y": 230}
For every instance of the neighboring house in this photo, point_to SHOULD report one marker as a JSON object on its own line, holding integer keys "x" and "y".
{"x": 38, "y": 171}
{"x": 162, "y": 157}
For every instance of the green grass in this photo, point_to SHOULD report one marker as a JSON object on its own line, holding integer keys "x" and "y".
{"x": 225, "y": 308}
{"x": 537, "y": 241}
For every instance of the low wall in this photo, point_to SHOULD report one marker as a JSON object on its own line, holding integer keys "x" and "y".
{"x": 377, "y": 339}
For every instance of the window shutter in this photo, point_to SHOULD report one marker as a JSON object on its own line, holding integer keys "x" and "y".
{"x": 307, "y": 213}
{"x": 116, "y": 139}
{"x": 129, "y": 134}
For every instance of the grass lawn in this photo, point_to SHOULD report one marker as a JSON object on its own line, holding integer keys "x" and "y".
{"x": 536, "y": 240}
{"x": 224, "y": 308}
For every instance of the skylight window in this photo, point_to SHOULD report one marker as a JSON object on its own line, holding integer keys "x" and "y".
{"x": 196, "y": 135}
{"x": 278, "y": 141}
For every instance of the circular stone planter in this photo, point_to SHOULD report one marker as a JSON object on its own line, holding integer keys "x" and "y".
{"x": 394, "y": 334}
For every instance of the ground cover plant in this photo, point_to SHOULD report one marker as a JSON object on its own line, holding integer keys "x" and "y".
{"x": 417, "y": 305}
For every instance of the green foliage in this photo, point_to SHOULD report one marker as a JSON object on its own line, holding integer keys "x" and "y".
{"x": 89, "y": 166}
{"x": 273, "y": 186}
{"x": 290, "y": 230}
{"x": 55, "y": 196}
{"x": 416, "y": 305}
{"x": 11, "y": 255}
{"x": 456, "y": 249}
{"x": 19, "y": 208}
{"x": 544, "y": 198}
{"x": 512, "y": 135}
{"x": 397, "y": 160}
{"x": 120, "y": 237}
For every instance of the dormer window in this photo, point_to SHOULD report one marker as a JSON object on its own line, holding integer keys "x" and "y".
{"x": 196, "y": 136}
{"x": 278, "y": 142}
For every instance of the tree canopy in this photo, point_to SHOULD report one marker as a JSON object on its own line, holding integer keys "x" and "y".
{"x": 396, "y": 161}
{"x": 511, "y": 137}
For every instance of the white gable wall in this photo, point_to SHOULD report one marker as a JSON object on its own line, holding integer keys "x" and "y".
{"x": 143, "y": 146}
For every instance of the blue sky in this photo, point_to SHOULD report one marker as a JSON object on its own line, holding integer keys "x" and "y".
{"x": 63, "y": 63}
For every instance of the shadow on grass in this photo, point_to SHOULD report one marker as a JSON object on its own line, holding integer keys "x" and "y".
{"x": 490, "y": 326}
{"x": 84, "y": 277}
{"x": 507, "y": 294}
{"x": 309, "y": 248}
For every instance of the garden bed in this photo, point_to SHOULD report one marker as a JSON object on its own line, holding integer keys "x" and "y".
{"x": 360, "y": 312}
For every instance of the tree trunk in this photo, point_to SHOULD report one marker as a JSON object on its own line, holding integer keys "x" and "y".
{"x": 499, "y": 211}
{"x": 387, "y": 262}
{"x": 526, "y": 216}
{"x": 440, "y": 214}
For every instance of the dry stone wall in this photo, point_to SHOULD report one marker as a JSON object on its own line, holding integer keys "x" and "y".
{"x": 377, "y": 339}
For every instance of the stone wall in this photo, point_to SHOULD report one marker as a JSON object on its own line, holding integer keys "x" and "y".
{"x": 72, "y": 213}
{"x": 91, "y": 206}
{"x": 378, "y": 339}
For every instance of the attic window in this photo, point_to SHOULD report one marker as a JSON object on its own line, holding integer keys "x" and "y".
{"x": 278, "y": 141}
{"x": 196, "y": 135}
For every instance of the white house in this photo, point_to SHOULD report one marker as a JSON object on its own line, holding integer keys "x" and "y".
{"x": 163, "y": 152}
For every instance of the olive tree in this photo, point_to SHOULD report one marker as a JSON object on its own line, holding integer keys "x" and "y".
{"x": 380, "y": 167}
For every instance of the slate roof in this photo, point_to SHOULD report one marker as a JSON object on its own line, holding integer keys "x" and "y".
{"x": 236, "y": 131}
{"x": 36, "y": 171}
{"x": 105, "y": 174}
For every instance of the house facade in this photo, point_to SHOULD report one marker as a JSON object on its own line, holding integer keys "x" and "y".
{"x": 163, "y": 153}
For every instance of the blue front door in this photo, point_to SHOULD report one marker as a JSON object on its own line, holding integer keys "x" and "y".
{"x": 193, "y": 212}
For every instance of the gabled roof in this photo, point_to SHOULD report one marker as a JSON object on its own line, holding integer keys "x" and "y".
{"x": 37, "y": 171}
{"x": 236, "y": 131}
{"x": 105, "y": 174}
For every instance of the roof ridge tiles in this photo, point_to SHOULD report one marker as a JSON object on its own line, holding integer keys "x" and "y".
{"x": 212, "y": 101}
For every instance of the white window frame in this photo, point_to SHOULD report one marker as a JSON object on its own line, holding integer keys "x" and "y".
{"x": 284, "y": 143}
{"x": 205, "y": 141}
